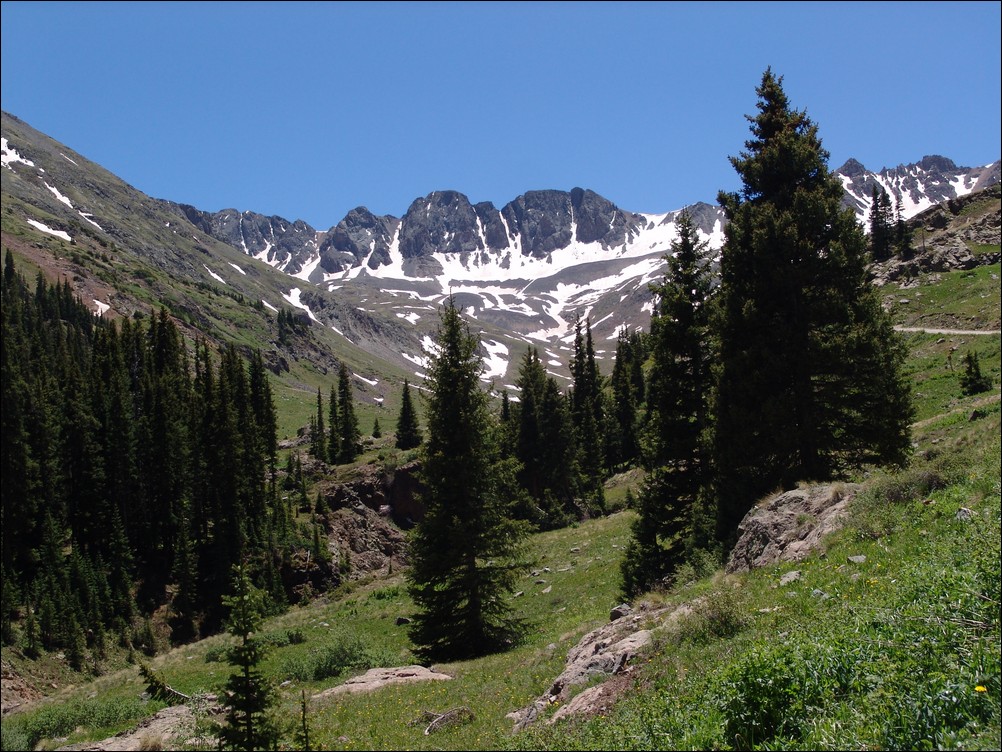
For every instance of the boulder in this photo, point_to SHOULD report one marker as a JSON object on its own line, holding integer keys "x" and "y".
{"x": 788, "y": 525}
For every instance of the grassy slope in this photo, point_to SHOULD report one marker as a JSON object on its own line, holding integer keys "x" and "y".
{"x": 883, "y": 653}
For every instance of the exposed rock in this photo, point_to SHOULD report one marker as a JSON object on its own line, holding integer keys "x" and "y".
{"x": 395, "y": 491}
{"x": 623, "y": 609}
{"x": 377, "y": 678}
{"x": 789, "y": 577}
{"x": 860, "y": 559}
{"x": 359, "y": 235}
{"x": 789, "y": 525}
{"x": 174, "y": 727}
{"x": 603, "y": 652}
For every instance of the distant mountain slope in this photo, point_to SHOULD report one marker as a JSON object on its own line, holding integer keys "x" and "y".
{"x": 373, "y": 284}
{"x": 127, "y": 254}
{"x": 930, "y": 181}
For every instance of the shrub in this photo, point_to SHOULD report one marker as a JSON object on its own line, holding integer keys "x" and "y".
{"x": 337, "y": 656}
{"x": 764, "y": 698}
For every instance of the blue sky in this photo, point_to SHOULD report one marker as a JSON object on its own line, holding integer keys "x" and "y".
{"x": 307, "y": 110}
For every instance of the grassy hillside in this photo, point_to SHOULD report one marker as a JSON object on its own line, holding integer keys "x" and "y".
{"x": 900, "y": 649}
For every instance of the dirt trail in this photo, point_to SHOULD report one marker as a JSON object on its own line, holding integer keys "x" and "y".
{"x": 962, "y": 332}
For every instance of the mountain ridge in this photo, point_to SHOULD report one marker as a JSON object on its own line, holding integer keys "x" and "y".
{"x": 524, "y": 272}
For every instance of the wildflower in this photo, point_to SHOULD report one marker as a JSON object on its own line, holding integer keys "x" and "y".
{"x": 981, "y": 688}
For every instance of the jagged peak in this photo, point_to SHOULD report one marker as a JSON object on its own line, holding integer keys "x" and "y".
{"x": 852, "y": 168}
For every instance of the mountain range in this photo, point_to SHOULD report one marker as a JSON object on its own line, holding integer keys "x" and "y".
{"x": 371, "y": 285}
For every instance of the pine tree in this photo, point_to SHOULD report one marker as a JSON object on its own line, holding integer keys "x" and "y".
{"x": 810, "y": 383}
{"x": 408, "y": 431}
{"x": 972, "y": 381}
{"x": 881, "y": 232}
{"x": 670, "y": 519}
{"x": 351, "y": 436}
{"x": 318, "y": 445}
{"x": 589, "y": 418}
{"x": 466, "y": 553}
{"x": 902, "y": 232}
{"x": 377, "y": 432}
{"x": 334, "y": 438}
{"x": 248, "y": 696}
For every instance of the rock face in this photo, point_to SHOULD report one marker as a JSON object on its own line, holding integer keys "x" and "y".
{"x": 360, "y": 235}
{"x": 788, "y": 526}
{"x": 275, "y": 240}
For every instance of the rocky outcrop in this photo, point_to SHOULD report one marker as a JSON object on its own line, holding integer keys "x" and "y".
{"x": 602, "y": 653}
{"x": 389, "y": 492}
{"x": 377, "y": 678}
{"x": 789, "y": 525}
{"x": 943, "y": 235}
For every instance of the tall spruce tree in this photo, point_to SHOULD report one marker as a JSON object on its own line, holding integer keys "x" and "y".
{"x": 810, "y": 382}
{"x": 587, "y": 408}
{"x": 881, "y": 231}
{"x": 318, "y": 442}
{"x": 334, "y": 438}
{"x": 408, "y": 430}
{"x": 466, "y": 553}
{"x": 351, "y": 435}
{"x": 672, "y": 522}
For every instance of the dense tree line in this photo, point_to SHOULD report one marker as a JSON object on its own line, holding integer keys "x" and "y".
{"x": 135, "y": 473}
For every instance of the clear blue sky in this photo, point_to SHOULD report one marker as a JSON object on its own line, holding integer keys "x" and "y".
{"x": 307, "y": 110}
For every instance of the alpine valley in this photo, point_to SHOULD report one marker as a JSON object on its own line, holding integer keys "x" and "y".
{"x": 370, "y": 287}
{"x": 815, "y": 607}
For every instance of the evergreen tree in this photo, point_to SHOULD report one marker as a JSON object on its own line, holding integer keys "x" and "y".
{"x": 377, "y": 432}
{"x": 351, "y": 436}
{"x": 670, "y": 524}
{"x": 334, "y": 439}
{"x": 972, "y": 381}
{"x": 902, "y": 233}
{"x": 408, "y": 431}
{"x": 624, "y": 448}
{"x": 466, "y": 553}
{"x": 589, "y": 416}
{"x": 881, "y": 231}
{"x": 810, "y": 382}
{"x": 248, "y": 696}
{"x": 318, "y": 445}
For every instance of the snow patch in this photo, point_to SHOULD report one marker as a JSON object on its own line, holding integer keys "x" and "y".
{"x": 411, "y": 317}
{"x": 293, "y": 299}
{"x": 268, "y": 305}
{"x": 45, "y": 228}
{"x": 9, "y": 156}
{"x": 370, "y": 382}
{"x": 307, "y": 270}
{"x": 496, "y": 364}
{"x": 88, "y": 216}
{"x": 57, "y": 194}
{"x": 238, "y": 268}
{"x": 101, "y": 307}
{"x": 213, "y": 274}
